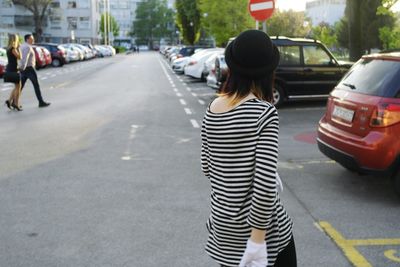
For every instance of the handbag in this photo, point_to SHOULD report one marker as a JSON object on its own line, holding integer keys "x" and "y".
{"x": 12, "y": 77}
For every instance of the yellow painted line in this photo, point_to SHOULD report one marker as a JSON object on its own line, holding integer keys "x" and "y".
{"x": 347, "y": 247}
{"x": 391, "y": 255}
{"x": 375, "y": 242}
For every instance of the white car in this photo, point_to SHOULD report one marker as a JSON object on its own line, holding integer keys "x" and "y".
{"x": 195, "y": 66}
{"x": 178, "y": 65}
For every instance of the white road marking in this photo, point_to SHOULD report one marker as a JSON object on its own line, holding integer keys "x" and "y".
{"x": 183, "y": 102}
{"x": 194, "y": 94}
{"x": 43, "y": 78}
{"x": 132, "y": 134}
{"x": 189, "y": 89}
{"x": 188, "y": 111}
{"x": 201, "y": 102}
{"x": 176, "y": 90}
{"x": 194, "y": 123}
{"x": 178, "y": 94}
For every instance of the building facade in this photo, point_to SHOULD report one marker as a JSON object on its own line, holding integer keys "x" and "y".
{"x": 328, "y": 11}
{"x": 65, "y": 21}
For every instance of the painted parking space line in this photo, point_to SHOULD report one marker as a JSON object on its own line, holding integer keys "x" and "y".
{"x": 183, "y": 102}
{"x": 348, "y": 246}
{"x": 188, "y": 111}
{"x": 194, "y": 123}
{"x": 201, "y": 102}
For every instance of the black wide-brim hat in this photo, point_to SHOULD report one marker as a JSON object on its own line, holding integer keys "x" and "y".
{"x": 252, "y": 55}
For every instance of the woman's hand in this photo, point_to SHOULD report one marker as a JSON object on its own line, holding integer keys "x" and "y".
{"x": 255, "y": 255}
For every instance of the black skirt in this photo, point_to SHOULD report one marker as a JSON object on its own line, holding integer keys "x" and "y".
{"x": 12, "y": 77}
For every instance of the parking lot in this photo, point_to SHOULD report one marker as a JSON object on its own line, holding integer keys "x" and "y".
{"x": 109, "y": 175}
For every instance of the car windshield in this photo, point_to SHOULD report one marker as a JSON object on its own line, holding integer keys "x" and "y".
{"x": 375, "y": 77}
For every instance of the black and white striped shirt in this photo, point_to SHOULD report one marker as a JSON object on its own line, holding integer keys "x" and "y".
{"x": 239, "y": 156}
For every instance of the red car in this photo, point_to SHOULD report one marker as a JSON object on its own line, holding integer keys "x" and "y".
{"x": 47, "y": 55}
{"x": 40, "y": 58}
{"x": 361, "y": 127}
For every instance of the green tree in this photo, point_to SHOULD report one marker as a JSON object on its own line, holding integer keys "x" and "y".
{"x": 390, "y": 37}
{"x": 289, "y": 23}
{"x": 38, "y": 9}
{"x": 365, "y": 18}
{"x": 154, "y": 20}
{"x": 188, "y": 20}
{"x": 113, "y": 23}
{"x": 224, "y": 19}
{"x": 326, "y": 34}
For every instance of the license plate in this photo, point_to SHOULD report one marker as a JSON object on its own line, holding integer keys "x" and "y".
{"x": 343, "y": 113}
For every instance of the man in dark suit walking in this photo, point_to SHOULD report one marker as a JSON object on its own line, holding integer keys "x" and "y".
{"x": 27, "y": 67}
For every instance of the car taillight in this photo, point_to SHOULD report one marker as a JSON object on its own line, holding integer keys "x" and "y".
{"x": 385, "y": 114}
{"x": 191, "y": 63}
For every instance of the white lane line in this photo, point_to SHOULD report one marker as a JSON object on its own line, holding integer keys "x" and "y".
{"x": 176, "y": 90}
{"x": 173, "y": 85}
{"x": 178, "y": 94}
{"x": 189, "y": 89}
{"x": 184, "y": 83}
{"x": 188, "y": 111}
{"x": 183, "y": 102}
{"x": 6, "y": 89}
{"x": 201, "y": 102}
{"x": 194, "y": 123}
{"x": 44, "y": 78}
{"x": 194, "y": 94}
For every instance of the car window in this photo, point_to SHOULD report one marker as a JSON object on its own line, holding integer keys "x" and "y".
{"x": 373, "y": 77}
{"x": 315, "y": 55}
{"x": 290, "y": 55}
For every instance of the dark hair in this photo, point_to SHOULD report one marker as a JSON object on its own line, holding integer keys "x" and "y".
{"x": 239, "y": 87}
{"x": 27, "y": 36}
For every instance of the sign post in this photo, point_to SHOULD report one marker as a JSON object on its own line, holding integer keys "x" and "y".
{"x": 261, "y": 10}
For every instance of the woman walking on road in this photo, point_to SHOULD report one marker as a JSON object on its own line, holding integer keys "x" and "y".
{"x": 12, "y": 74}
{"x": 248, "y": 225}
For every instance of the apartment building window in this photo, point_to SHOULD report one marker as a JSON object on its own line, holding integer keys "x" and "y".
{"x": 6, "y": 3}
{"x": 72, "y": 23}
{"x": 7, "y": 22}
{"x": 71, "y": 4}
{"x": 55, "y": 4}
{"x": 84, "y": 23}
{"x": 55, "y": 22}
{"x": 83, "y": 3}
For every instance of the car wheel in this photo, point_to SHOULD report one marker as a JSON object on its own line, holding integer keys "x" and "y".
{"x": 277, "y": 95}
{"x": 56, "y": 63}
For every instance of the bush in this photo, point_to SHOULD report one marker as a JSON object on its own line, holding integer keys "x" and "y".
{"x": 120, "y": 49}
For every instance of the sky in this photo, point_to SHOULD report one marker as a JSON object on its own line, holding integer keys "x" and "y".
{"x": 300, "y": 5}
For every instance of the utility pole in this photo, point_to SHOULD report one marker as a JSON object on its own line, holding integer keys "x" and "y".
{"x": 104, "y": 22}
{"x": 109, "y": 22}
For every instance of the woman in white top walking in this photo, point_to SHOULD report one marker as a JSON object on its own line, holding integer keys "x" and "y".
{"x": 248, "y": 225}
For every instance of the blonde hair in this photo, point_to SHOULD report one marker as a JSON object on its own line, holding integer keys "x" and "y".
{"x": 13, "y": 41}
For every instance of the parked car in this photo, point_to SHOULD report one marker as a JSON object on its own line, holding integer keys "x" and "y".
{"x": 361, "y": 126}
{"x": 178, "y": 65}
{"x": 307, "y": 70}
{"x": 209, "y": 65}
{"x": 195, "y": 66}
{"x": 103, "y": 51}
{"x": 39, "y": 56}
{"x": 75, "y": 48}
{"x": 47, "y": 55}
{"x": 58, "y": 54}
{"x": 72, "y": 54}
{"x": 220, "y": 72}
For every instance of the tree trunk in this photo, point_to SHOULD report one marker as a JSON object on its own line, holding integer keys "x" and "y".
{"x": 355, "y": 44}
{"x": 38, "y": 27}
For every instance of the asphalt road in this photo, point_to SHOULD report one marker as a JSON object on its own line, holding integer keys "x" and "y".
{"x": 109, "y": 175}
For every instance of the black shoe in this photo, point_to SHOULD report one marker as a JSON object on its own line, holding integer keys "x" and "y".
{"x": 16, "y": 107}
{"x": 44, "y": 104}
{"x": 8, "y": 104}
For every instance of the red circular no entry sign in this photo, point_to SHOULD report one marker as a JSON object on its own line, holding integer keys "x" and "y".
{"x": 261, "y": 9}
